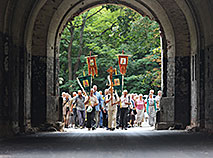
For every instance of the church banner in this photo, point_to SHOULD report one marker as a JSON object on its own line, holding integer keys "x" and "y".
{"x": 117, "y": 82}
{"x": 92, "y": 66}
{"x": 123, "y": 62}
{"x": 85, "y": 83}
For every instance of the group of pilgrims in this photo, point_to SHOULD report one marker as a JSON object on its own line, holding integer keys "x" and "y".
{"x": 108, "y": 110}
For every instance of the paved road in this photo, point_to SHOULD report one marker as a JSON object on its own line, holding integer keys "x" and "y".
{"x": 137, "y": 142}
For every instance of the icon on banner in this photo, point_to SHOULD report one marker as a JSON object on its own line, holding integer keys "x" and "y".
{"x": 86, "y": 83}
{"x": 92, "y": 63}
{"x": 123, "y": 61}
{"x": 117, "y": 82}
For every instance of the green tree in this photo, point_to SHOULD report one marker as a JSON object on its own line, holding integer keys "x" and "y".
{"x": 106, "y": 31}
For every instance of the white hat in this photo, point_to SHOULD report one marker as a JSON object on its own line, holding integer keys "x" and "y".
{"x": 125, "y": 91}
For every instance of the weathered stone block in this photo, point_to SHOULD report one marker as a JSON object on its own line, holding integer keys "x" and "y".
{"x": 165, "y": 118}
{"x": 38, "y": 90}
{"x": 182, "y": 90}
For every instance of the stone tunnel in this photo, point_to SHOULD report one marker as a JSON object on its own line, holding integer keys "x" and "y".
{"x": 29, "y": 60}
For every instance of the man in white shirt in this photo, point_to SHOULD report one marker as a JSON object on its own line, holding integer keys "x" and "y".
{"x": 125, "y": 102}
{"x": 91, "y": 101}
{"x": 112, "y": 109}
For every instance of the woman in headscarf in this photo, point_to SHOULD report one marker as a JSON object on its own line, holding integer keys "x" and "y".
{"x": 151, "y": 109}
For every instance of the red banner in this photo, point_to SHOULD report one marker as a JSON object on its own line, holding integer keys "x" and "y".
{"x": 92, "y": 66}
{"x": 123, "y": 62}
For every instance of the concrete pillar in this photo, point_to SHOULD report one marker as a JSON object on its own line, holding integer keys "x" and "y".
{"x": 182, "y": 91}
{"x": 10, "y": 93}
{"x": 176, "y": 106}
{"x": 44, "y": 69}
{"x": 4, "y": 99}
{"x": 209, "y": 87}
{"x": 38, "y": 89}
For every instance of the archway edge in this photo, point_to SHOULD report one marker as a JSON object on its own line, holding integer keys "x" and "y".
{"x": 152, "y": 9}
{"x": 68, "y": 9}
{"x": 177, "y": 50}
{"x": 146, "y": 8}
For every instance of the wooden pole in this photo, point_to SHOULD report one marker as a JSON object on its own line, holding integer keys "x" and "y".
{"x": 111, "y": 71}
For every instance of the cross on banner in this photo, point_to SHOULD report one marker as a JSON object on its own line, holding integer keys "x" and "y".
{"x": 111, "y": 71}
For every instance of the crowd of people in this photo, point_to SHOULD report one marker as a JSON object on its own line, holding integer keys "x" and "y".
{"x": 108, "y": 110}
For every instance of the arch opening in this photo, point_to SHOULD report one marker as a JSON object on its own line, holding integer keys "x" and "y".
{"x": 105, "y": 31}
{"x": 176, "y": 51}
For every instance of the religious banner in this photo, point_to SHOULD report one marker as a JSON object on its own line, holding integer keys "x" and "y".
{"x": 123, "y": 62}
{"x": 85, "y": 83}
{"x": 117, "y": 82}
{"x": 92, "y": 66}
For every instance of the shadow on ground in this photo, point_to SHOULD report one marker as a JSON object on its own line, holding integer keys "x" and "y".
{"x": 101, "y": 143}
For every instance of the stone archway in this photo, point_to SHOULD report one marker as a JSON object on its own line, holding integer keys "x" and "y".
{"x": 176, "y": 57}
{"x": 29, "y": 38}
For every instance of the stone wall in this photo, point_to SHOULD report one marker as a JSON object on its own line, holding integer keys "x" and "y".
{"x": 29, "y": 38}
{"x": 165, "y": 117}
{"x": 209, "y": 89}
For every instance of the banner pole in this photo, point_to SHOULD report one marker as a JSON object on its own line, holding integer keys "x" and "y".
{"x": 122, "y": 83}
{"x": 80, "y": 85}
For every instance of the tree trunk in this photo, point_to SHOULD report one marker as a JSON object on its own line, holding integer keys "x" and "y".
{"x": 70, "y": 51}
{"x": 81, "y": 44}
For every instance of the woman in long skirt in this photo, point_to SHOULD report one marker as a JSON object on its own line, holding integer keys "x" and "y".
{"x": 151, "y": 109}
{"x": 140, "y": 105}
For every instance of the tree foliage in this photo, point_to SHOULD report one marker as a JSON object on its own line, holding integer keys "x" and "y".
{"x": 107, "y": 31}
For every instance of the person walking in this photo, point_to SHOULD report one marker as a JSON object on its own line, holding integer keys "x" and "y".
{"x": 112, "y": 102}
{"x": 97, "y": 108}
{"x": 91, "y": 102}
{"x": 101, "y": 110}
{"x": 132, "y": 111}
{"x": 140, "y": 106}
{"x": 151, "y": 109}
{"x": 66, "y": 109}
{"x": 105, "y": 109}
{"x": 158, "y": 98}
{"x": 125, "y": 102}
{"x": 79, "y": 101}
{"x": 74, "y": 111}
